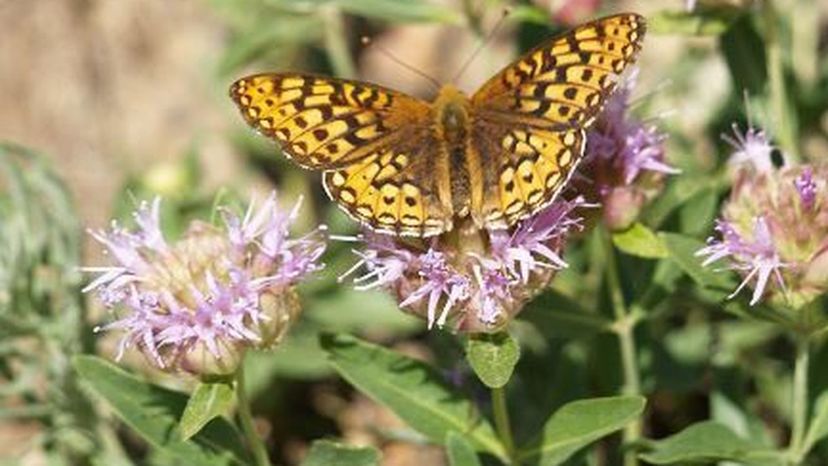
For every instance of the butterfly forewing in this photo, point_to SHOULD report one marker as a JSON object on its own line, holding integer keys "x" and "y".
{"x": 325, "y": 123}
{"x": 370, "y": 141}
{"x": 530, "y": 117}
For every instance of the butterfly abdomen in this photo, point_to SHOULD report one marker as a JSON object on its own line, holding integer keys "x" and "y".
{"x": 460, "y": 169}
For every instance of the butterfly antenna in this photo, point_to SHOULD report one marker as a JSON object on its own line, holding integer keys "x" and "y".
{"x": 486, "y": 41}
{"x": 366, "y": 41}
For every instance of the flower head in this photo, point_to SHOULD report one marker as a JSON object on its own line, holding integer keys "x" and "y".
{"x": 197, "y": 303}
{"x": 625, "y": 160}
{"x": 774, "y": 229}
{"x": 473, "y": 280}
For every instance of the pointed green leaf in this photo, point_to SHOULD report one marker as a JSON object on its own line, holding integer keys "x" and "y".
{"x": 327, "y": 453}
{"x": 580, "y": 423}
{"x": 708, "y": 442}
{"x": 493, "y": 357}
{"x": 412, "y": 389}
{"x": 638, "y": 240}
{"x": 153, "y": 413}
{"x": 208, "y": 401}
{"x": 460, "y": 453}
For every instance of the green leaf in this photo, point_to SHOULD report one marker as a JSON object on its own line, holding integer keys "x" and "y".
{"x": 698, "y": 213}
{"x": 699, "y": 23}
{"x": 580, "y": 423}
{"x": 401, "y": 10}
{"x": 460, "y": 453}
{"x": 818, "y": 429}
{"x": 708, "y": 442}
{"x": 744, "y": 51}
{"x": 638, "y": 240}
{"x": 153, "y": 413}
{"x": 327, "y": 453}
{"x": 683, "y": 252}
{"x": 555, "y": 314}
{"x": 412, "y": 389}
{"x": 208, "y": 401}
{"x": 493, "y": 357}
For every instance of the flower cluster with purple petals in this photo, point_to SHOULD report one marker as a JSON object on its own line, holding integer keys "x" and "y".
{"x": 774, "y": 226}
{"x": 473, "y": 281}
{"x": 624, "y": 160}
{"x": 197, "y": 303}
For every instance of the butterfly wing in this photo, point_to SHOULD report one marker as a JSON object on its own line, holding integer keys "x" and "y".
{"x": 372, "y": 143}
{"x": 530, "y": 118}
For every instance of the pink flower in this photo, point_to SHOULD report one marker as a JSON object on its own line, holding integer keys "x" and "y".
{"x": 211, "y": 293}
{"x": 755, "y": 256}
{"x": 476, "y": 282}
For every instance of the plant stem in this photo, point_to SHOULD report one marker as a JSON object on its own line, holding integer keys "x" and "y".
{"x": 624, "y": 327}
{"x": 246, "y": 417}
{"x": 501, "y": 418}
{"x": 776, "y": 76}
{"x": 336, "y": 43}
{"x": 799, "y": 403}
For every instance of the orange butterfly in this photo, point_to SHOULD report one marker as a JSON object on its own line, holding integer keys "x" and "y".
{"x": 405, "y": 166}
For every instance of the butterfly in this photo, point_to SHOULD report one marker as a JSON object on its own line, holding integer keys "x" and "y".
{"x": 404, "y": 166}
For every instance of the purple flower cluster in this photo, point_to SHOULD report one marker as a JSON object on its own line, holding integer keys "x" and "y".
{"x": 774, "y": 227}
{"x": 197, "y": 303}
{"x": 476, "y": 281}
{"x": 625, "y": 160}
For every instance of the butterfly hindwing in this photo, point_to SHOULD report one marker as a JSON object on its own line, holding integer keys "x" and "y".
{"x": 524, "y": 169}
{"x": 393, "y": 190}
{"x": 325, "y": 123}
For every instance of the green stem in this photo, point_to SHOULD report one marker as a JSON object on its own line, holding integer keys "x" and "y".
{"x": 501, "y": 418}
{"x": 799, "y": 402}
{"x": 336, "y": 43}
{"x": 776, "y": 76}
{"x": 624, "y": 327}
{"x": 246, "y": 417}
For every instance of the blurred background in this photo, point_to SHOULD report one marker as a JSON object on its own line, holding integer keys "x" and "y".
{"x": 108, "y": 102}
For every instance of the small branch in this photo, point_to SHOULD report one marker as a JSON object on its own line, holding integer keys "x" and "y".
{"x": 799, "y": 401}
{"x": 246, "y": 417}
{"x": 501, "y": 418}
{"x": 624, "y": 327}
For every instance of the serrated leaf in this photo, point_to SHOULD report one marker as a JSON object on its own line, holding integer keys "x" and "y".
{"x": 638, "y": 240}
{"x": 578, "y": 424}
{"x": 153, "y": 413}
{"x": 328, "y": 453}
{"x": 208, "y": 401}
{"x": 412, "y": 389}
{"x": 708, "y": 442}
{"x": 493, "y": 357}
{"x": 460, "y": 453}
